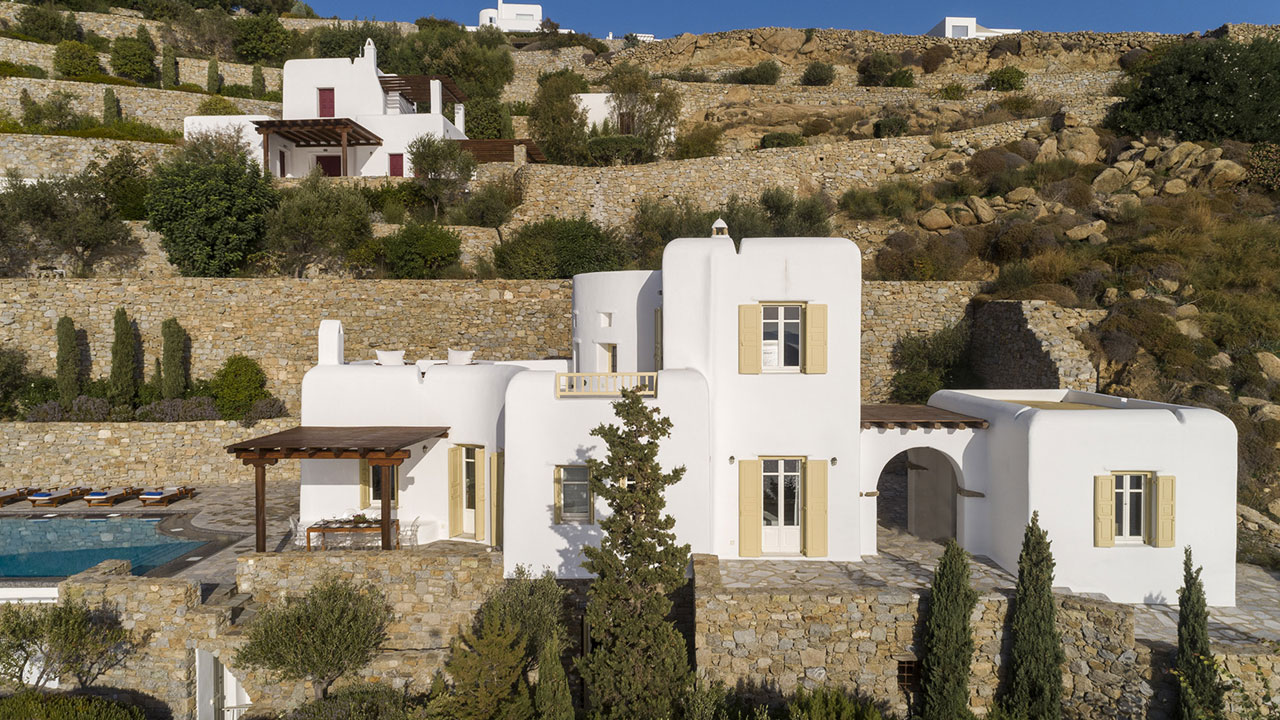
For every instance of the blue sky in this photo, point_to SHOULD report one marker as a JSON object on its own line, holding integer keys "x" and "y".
{"x": 671, "y": 17}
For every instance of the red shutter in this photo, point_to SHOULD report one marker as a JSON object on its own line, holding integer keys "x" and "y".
{"x": 396, "y": 162}
{"x": 326, "y": 102}
{"x": 330, "y": 165}
{"x": 284, "y": 171}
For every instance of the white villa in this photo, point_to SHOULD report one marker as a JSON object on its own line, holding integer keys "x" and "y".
{"x": 966, "y": 27}
{"x": 753, "y": 352}
{"x": 512, "y": 17}
{"x": 346, "y": 117}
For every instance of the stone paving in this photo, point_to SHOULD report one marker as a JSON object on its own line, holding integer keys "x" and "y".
{"x": 906, "y": 563}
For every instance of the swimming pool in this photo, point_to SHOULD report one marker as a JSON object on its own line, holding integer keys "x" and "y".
{"x": 41, "y": 546}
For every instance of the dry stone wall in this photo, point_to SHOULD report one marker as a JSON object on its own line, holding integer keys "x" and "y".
{"x": 529, "y": 64}
{"x": 54, "y": 155}
{"x": 892, "y": 310}
{"x": 1032, "y": 344}
{"x": 162, "y": 108}
{"x": 107, "y": 25}
{"x": 305, "y": 24}
{"x": 65, "y": 454}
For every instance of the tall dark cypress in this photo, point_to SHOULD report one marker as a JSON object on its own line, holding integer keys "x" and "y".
{"x": 1201, "y": 693}
{"x": 948, "y": 639}
{"x": 1035, "y": 656}
{"x": 174, "y": 364}
{"x": 122, "y": 389}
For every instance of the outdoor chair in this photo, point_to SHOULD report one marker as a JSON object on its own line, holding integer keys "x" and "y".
{"x": 16, "y": 495}
{"x": 111, "y": 496}
{"x": 166, "y": 496}
{"x": 54, "y": 498}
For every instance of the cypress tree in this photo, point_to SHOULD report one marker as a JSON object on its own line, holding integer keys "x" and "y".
{"x": 487, "y": 668}
{"x": 123, "y": 386}
{"x": 213, "y": 79}
{"x": 257, "y": 84}
{"x": 1200, "y": 691}
{"x": 168, "y": 67}
{"x": 68, "y": 362}
{"x": 174, "y": 363}
{"x": 552, "y": 698}
{"x": 1035, "y": 656}
{"x": 110, "y": 107}
{"x": 638, "y": 663}
{"x": 948, "y": 639}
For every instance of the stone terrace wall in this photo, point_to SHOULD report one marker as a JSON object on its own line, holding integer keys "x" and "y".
{"x": 162, "y": 108}
{"x": 529, "y": 64}
{"x": 892, "y": 310}
{"x": 610, "y": 195}
{"x": 305, "y": 24}
{"x": 190, "y": 70}
{"x": 109, "y": 26}
{"x": 40, "y": 155}
{"x": 784, "y": 637}
{"x": 275, "y": 320}
{"x": 65, "y": 454}
{"x": 1032, "y": 344}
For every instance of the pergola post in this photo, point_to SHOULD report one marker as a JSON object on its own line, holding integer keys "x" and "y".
{"x": 344, "y": 152}
{"x": 259, "y": 501}
{"x": 388, "y": 471}
{"x": 266, "y": 152}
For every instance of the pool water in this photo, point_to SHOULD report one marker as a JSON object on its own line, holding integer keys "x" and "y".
{"x": 32, "y": 546}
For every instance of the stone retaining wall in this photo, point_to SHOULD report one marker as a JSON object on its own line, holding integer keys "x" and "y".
{"x": 275, "y": 320}
{"x": 65, "y": 454}
{"x": 305, "y": 24}
{"x": 106, "y": 25}
{"x": 55, "y": 155}
{"x": 778, "y": 638}
{"x": 892, "y": 310}
{"x": 529, "y": 64}
{"x": 1032, "y": 344}
{"x": 162, "y": 108}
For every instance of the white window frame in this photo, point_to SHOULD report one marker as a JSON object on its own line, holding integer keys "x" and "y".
{"x": 1124, "y": 498}
{"x": 566, "y": 517}
{"x": 469, "y": 460}
{"x": 781, "y": 323}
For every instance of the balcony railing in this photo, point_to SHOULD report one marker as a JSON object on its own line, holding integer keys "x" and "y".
{"x": 605, "y": 384}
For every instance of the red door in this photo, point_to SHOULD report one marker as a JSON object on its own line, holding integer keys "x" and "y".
{"x": 284, "y": 171}
{"x": 331, "y": 165}
{"x": 326, "y": 102}
{"x": 396, "y": 164}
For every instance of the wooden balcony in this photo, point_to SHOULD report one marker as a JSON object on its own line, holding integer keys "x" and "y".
{"x": 605, "y": 384}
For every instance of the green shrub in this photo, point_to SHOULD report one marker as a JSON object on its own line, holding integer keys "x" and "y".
{"x": 175, "y": 364}
{"x": 212, "y": 77}
{"x": 927, "y": 363}
{"x": 441, "y": 168}
{"x": 948, "y": 638}
{"x": 876, "y": 68}
{"x": 123, "y": 179}
{"x": 258, "y": 38}
{"x": 48, "y": 706}
{"x": 1264, "y": 166}
{"x": 609, "y": 150}
{"x": 67, "y": 640}
{"x": 902, "y": 77}
{"x": 235, "y": 90}
{"x": 860, "y": 204}
{"x": 1005, "y": 79}
{"x": 829, "y": 703}
{"x": 934, "y": 57}
{"x": 953, "y": 91}
{"x": 533, "y": 606}
{"x": 218, "y": 105}
{"x": 556, "y": 121}
{"x": 781, "y": 140}
{"x": 45, "y": 24}
{"x": 11, "y": 69}
{"x": 558, "y": 248}
{"x": 487, "y": 118}
{"x": 518, "y": 108}
{"x": 257, "y": 83}
{"x": 892, "y": 126}
{"x": 13, "y": 380}
{"x": 133, "y": 58}
{"x": 168, "y": 68}
{"x": 702, "y": 141}
{"x": 766, "y": 72}
{"x": 111, "y": 112}
{"x": 237, "y": 385}
{"x": 421, "y": 250}
{"x": 1035, "y": 652}
{"x": 73, "y": 59}
{"x": 364, "y": 701}
{"x": 487, "y": 666}
{"x": 489, "y": 205}
{"x": 818, "y": 73}
{"x": 688, "y": 74}
{"x": 125, "y": 367}
{"x": 1207, "y": 90}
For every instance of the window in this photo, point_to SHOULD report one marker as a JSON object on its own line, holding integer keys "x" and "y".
{"x": 780, "y": 349}
{"x": 395, "y": 164}
{"x": 469, "y": 478}
{"x": 380, "y": 475}
{"x": 1130, "y": 509}
{"x": 324, "y": 102}
{"x": 609, "y": 357}
{"x": 573, "y": 495}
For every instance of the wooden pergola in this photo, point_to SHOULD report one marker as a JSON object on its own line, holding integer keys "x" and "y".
{"x": 383, "y": 447}
{"x": 315, "y": 132}
{"x": 502, "y": 150}
{"x": 915, "y": 417}
{"x": 417, "y": 88}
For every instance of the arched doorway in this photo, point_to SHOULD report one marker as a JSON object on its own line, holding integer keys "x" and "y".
{"x": 916, "y": 493}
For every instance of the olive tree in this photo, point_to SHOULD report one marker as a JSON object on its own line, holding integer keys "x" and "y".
{"x": 68, "y": 641}
{"x": 442, "y": 167}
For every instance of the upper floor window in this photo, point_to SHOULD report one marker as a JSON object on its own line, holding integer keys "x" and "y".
{"x": 780, "y": 335}
{"x": 573, "y": 494}
{"x": 324, "y": 101}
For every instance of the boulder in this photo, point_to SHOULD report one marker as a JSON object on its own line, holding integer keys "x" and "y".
{"x": 1065, "y": 119}
{"x": 1183, "y": 312}
{"x": 1178, "y": 157}
{"x": 1097, "y": 239}
{"x": 1080, "y": 144}
{"x": 1270, "y": 365}
{"x": 1048, "y": 151}
{"x": 1221, "y": 361}
{"x": 981, "y": 210}
{"x": 1080, "y": 232}
{"x": 1273, "y": 507}
{"x": 1190, "y": 328}
{"x": 1174, "y": 187}
{"x": 1252, "y": 402}
{"x": 1109, "y": 181}
{"x": 1266, "y": 412}
{"x": 682, "y": 44}
{"x": 1137, "y": 294}
{"x": 1020, "y": 195}
{"x": 1224, "y": 174}
{"x": 783, "y": 41}
{"x": 935, "y": 219}
{"x": 1110, "y": 296}
{"x": 1208, "y": 157}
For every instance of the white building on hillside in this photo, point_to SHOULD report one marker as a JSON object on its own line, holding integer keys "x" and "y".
{"x": 966, "y": 27}
{"x": 753, "y": 352}
{"x": 346, "y": 117}
{"x": 512, "y": 17}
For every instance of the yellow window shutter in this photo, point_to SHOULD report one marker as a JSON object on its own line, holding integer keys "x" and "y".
{"x": 455, "y": 491}
{"x": 750, "y": 508}
{"x": 482, "y": 511}
{"x": 366, "y": 485}
{"x": 750, "y": 341}
{"x": 815, "y": 508}
{"x": 815, "y": 339}
{"x": 1104, "y": 511}
{"x": 557, "y": 489}
{"x": 1166, "y": 505}
{"x": 495, "y": 486}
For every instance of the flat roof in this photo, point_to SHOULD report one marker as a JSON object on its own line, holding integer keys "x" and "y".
{"x": 307, "y": 441}
{"x": 1057, "y": 405}
{"x": 914, "y": 417}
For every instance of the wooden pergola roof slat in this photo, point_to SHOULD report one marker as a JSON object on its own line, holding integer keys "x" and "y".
{"x": 307, "y": 441}
{"x": 913, "y": 417}
{"x": 319, "y": 132}
{"x": 417, "y": 88}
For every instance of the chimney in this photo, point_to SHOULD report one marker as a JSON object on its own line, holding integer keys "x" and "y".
{"x": 437, "y": 98}
{"x": 460, "y": 118}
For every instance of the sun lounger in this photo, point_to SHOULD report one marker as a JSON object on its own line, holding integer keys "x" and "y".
{"x": 165, "y": 496}
{"x": 54, "y": 498}
{"x": 16, "y": 495}
{"x": 111, "y": 496}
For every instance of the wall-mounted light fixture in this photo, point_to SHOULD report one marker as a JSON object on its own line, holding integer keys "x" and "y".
{"x": 732, "y": 460}
{"x": 834, "y": 461}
